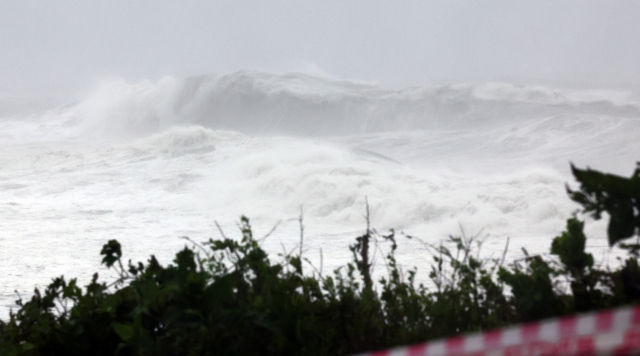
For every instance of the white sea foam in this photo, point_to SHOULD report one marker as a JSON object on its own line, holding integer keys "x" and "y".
{"x": 148, "y": 162}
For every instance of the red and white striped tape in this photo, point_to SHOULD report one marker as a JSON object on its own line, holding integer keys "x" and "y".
{"x": 614, "y": 332}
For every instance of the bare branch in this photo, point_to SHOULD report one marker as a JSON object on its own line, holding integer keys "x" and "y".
{"x": 270, "y": 231}
{"x": 301, "y": 235}
{"x": 366, "y": 272}
{"x": 504, "y": 254}
{"x": 220, "y": 230}
{"x": 199, "y": 246}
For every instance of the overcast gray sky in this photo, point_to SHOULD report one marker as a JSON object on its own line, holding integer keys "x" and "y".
{"x": 67, "y": 45}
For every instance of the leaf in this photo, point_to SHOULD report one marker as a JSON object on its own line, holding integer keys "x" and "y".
{"x": 578, "y": 197}
{"x": 185, "y": 260}
{"x": 570, "y": 245}
{"x": 124, "y": 331}
{"x": 618, "y": 196}
{"x": 621, "y": 224}
{"x": 112, "y": 252}
{"x": 297, "y": 264}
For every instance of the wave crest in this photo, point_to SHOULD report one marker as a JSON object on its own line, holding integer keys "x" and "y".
{"x": 256, "y": 102}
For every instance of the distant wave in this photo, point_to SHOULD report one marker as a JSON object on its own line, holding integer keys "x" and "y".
{"x": 255, "y": 102}
{"x": 179, "y": 141}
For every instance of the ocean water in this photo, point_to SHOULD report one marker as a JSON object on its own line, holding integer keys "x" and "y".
{"x": 147, "y": 163}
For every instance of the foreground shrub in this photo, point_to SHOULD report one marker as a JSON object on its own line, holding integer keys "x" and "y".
{"x": 226, "y": 297}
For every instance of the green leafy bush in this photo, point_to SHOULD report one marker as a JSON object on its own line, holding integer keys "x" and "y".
{"x": 226, "y": 297}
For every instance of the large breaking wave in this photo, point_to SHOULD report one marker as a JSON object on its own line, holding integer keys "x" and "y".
{"x": 258, "y": 103}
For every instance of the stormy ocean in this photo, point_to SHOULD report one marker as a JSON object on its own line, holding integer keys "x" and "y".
{"x": 149, "y": 162}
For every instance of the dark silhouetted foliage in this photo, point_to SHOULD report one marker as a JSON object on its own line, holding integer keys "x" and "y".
{"x": 618, "y": 196}
{"x": 226, "y": 297}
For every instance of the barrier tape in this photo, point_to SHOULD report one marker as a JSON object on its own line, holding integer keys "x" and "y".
{"x": 614, "y": 332}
